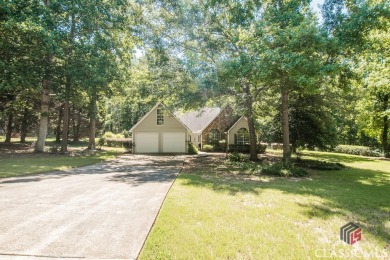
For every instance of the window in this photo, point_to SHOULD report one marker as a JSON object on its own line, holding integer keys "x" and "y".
{"x": 242, "y": 136}
{"x": 160, "y": 116}
{"x": 214, "y": 136}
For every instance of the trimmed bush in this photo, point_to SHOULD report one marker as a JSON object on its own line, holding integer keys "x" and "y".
{"x": 357, "y": 150}
{"x": 192, "y": 148}
{"x": 237, "y": 157}
{"x": 245, "y": 148}
{"x": 241, "y": 148}
{"x": 208, "y": 148}
{"x": 119, "y": 136}
{"x": 109, "y": 135}
{"x": 119, "y": 142}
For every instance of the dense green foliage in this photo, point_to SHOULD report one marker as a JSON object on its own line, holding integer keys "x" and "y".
{"x": 207, "y": 148}
{"x": 237, "y": 157}
{"x": 357, "y": 150}
{"x": 312, "y": 123}
{"x": 100, "y": 66}
{"x": 192, "y": 149}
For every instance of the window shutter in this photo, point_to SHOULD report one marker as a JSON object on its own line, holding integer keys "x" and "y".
{"x": 235, "y": 138}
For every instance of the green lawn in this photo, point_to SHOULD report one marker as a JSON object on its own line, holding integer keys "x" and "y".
{"x": 18, "y": 159}
{"x": 211, "y": 213}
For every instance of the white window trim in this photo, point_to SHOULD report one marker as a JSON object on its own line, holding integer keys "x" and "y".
{"x": 212, "y": 134}
{"x": 241, "y": 140}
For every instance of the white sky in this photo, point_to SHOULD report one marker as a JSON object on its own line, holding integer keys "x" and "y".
{"x": 315, "y": 5}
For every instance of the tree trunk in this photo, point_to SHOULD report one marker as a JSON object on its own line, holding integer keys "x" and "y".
{"x": 58, "y": 128}
{"x": 68, "y": 85}
{"x": 385, "y": 132}
{"x": 43, "y": 121}
{"x": 65, "y": 127}
{"x": 285, "y": 130}
{"x": 252, "y": 139}
{"x": 77, "y": 129}
{"x": 249, "y": 114}
{"x": 73, "y": 121}
{"x": 76, "y": 123}
{"x": 24, "y": 126}
{"x": 92, "y": 122}
{"x": 44, "y": 117}
{"x": 8, "y": 134}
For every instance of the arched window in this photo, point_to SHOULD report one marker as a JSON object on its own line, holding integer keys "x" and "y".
{"x": 214, "y": 135}
{"x": 242, "y": 136}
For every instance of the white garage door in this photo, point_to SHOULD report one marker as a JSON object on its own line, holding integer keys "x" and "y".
{"x": 146, "y": 142}
{"x": 174, "y": 142}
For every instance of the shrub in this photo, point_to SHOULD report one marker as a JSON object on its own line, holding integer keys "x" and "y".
{"x": 118, "y": 142}
{"x": 261, "y": 148}
{"x": 276, "y": 146}
{"x": 101, "y": 141}
{"x": 245, "y": 148}
{"x": 318, "y": 165}
{"x": 246, "y": 167}
{"x": 125, "y": 133}
{"x": 119, "y": 136}
{"x": 129, "y": 145}
{"x": 108, "y": 135}
{"x": 237, "y": 157}
{"x": 222, "y": 145}
{"x": 278, "y": 169}
{"x": 192, "y": 148}
{"x": 242, "y": 148}
{"x": 357, "y": 150}
{"x": 208, "y": 148}
{"x": 53, "y": 149}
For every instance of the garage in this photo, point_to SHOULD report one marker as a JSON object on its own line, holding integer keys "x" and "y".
{"x": 159, "y": 131}
{"x": 173, "y": 142}
{"x": 146, "y": 142}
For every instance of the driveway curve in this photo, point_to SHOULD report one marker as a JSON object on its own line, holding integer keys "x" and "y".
{"x": 99, "y": 211}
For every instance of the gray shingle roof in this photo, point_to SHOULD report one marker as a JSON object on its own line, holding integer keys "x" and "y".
{"x": 197, "y": 120}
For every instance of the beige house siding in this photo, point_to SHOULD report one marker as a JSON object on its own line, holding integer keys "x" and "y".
{"x": 149, "y": 124}
{"x": 241, "y": 123}
{"x": 222, "y": 122}
{"x": 176, "y": 134}
{"x": 195, "y": 139}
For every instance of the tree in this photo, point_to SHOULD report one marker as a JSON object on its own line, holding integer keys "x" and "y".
{"x": 361, "y": 29}
{"x": 26, "y": 38}
{"x": 47, "y": 24}
{"x": 297, "y": 56}
{"x": 312, "y": 124}
{"x": 215, "y": 38}
{"x": 374, "y": 108}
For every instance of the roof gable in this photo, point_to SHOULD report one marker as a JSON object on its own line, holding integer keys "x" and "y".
{"x": 152, "y": 110}
{"x": 237, "y": 122}
{"x": 198, "y": 120}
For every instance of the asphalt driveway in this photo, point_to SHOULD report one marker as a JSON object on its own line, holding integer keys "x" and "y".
{"x": 100, "y": 211}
